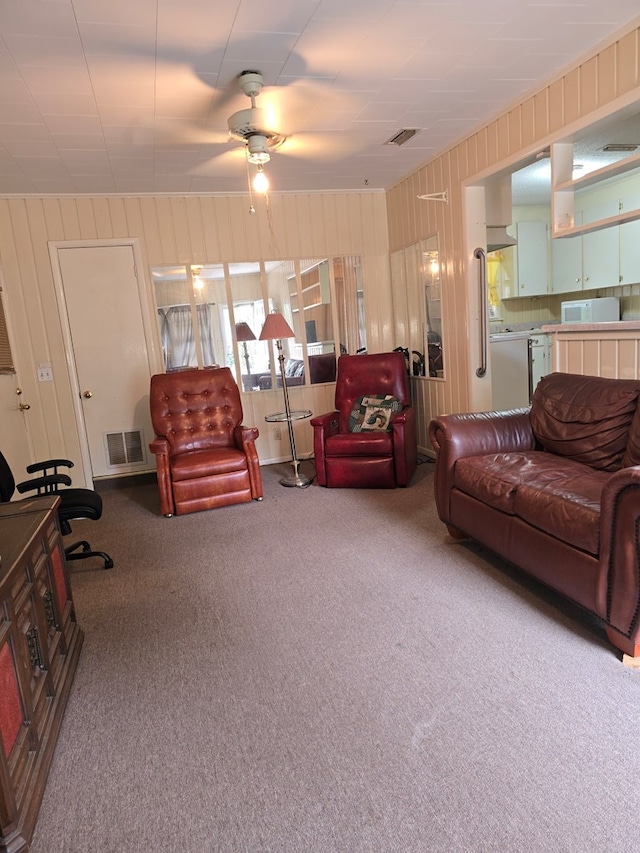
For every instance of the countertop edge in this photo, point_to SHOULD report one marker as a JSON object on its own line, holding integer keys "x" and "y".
{"x": 613, "y": 326}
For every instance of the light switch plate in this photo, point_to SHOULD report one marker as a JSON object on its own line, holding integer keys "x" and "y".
{"x": 45, "y": 372}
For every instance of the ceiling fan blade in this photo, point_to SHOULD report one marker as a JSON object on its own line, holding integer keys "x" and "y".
{"x": 325, "y": 145}
{"x": 177, "y": 132}
{"x": 302, "y": 105}
{"x": 231, "y": 160}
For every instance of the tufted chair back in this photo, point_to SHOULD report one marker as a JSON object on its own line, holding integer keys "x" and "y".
{"x": 195, "y": 409}
{"x": 205, "y": 456}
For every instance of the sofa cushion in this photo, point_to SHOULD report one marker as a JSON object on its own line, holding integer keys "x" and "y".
{"x": 359, "y": 444}
{"x": 554, "y": 494}
{"x": 585, "y": 418}
{"x": 567, "y": 508}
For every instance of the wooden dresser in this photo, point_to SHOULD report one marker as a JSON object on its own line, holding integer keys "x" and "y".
{"x": 40, "y": 644}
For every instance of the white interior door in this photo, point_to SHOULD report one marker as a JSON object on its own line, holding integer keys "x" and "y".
{"x": 15, "y": 439}
{"x": 15, "y": 406}
{"x": 110, "y": 354}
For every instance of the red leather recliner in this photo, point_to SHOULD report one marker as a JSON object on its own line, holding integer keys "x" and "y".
{"x": 383, "y": 459}
{"x": 205, "y": 457}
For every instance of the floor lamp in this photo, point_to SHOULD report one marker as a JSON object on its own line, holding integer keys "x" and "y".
{"x": 244, "y": 333}
{"x": 275, "y": 329}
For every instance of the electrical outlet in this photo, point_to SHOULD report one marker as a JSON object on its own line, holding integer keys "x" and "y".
{"x": 277, "y": 434}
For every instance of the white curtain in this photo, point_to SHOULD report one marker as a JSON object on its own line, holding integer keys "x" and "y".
{"x": 178, "y": 339}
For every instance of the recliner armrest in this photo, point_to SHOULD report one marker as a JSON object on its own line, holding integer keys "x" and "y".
{"x": 160, "y": 447}
{"x": 245, "y": 438}
{"x": 405, "y": 444}
{"x": 323, "y": 426}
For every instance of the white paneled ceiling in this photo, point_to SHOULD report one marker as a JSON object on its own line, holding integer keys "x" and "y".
{"x": 133, "y": 96}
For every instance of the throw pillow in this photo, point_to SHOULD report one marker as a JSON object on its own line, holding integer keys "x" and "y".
{"x": 585, "y": 418}
{"x": 373, "y": 414}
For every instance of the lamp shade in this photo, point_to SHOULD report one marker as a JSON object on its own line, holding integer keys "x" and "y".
{"x": 244, "y": 332}
{"x": 275, "y": 328}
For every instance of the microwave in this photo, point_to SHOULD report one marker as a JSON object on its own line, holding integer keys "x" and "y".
{"x": 606, "y": 309}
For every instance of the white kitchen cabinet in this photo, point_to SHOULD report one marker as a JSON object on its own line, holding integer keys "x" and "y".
{"x": 601, "y": 249}
{"x": 590, "y": 260}
{"x": 630, "y": 242}
{"x": 566, "y": 264}
{"x": 532, "y": 258}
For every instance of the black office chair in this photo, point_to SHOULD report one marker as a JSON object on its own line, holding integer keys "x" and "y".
{"x": 74, "y": 503}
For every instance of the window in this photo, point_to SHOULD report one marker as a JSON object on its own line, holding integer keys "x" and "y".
{"x": 6, "y": 359}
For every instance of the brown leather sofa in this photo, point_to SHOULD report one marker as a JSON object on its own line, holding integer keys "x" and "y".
{"x": 554, "y": 489}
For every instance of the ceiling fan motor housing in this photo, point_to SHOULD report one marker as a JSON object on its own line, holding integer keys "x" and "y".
{"x": 251, "y": 125}
{"x": 250, "y": 83}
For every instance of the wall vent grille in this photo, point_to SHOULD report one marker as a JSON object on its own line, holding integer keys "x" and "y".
{"x": 124, "y": 448}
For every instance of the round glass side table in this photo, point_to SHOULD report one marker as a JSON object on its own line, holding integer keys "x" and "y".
{"x": 295, "y": 479}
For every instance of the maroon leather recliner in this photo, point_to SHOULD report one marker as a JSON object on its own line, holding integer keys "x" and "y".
{"x": 205, "y": 457}
{"x": 377, "y": 459}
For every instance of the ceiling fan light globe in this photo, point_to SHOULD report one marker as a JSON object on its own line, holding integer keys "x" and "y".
{"x": 258, "y": 150}
{"x": 260, "y": 182}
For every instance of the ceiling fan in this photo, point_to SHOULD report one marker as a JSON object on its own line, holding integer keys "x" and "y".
{"x": 286, "y": 121}
{"x": 254, "y": 126}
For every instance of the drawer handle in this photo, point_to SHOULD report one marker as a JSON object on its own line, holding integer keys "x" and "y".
{"x": 50, "y": 610}
{"x": 35, "y": 650}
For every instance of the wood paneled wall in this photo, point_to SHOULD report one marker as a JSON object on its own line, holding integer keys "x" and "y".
{"x": 606, "y": 82}
{"x": 209, "y": 229}
{"x": 172, "y": 230}
{"x": 614, "y": 354}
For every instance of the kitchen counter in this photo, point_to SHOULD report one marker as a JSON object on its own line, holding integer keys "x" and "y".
{"x": 596, "y": 349}
{"x": 614, "y": 327}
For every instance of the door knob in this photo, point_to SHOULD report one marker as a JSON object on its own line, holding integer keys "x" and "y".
{"x": 87, "y": 394}
{"x": 23, "y": 407}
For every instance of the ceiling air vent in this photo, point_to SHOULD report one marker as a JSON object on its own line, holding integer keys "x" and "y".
{"x": 402, "y": 136}
{"x": 619, "y": 146}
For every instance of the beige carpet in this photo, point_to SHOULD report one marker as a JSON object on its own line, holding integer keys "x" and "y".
{"x": 327, "y": 671}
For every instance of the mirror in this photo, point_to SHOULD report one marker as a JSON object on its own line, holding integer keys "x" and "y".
{"x": 433, "y": 307}
{"x": 246, "y": 355}
{"x": 188, "y": 303}
{"x": 417, "y": 304}
{"x": 212, "y": 314}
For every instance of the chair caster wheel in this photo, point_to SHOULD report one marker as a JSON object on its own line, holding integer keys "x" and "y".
{"x": 168, "y": 515}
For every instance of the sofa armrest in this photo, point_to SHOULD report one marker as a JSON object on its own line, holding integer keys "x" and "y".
{"x": 245, "y": 438}
{"x": 160, "y": 447}
{"x": 619, "y": 594}
{"x": 323, "y": 426}
{"x": 458, "y": 436}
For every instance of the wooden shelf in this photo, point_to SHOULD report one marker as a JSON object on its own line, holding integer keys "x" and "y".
{"x": 565, "y": 187}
